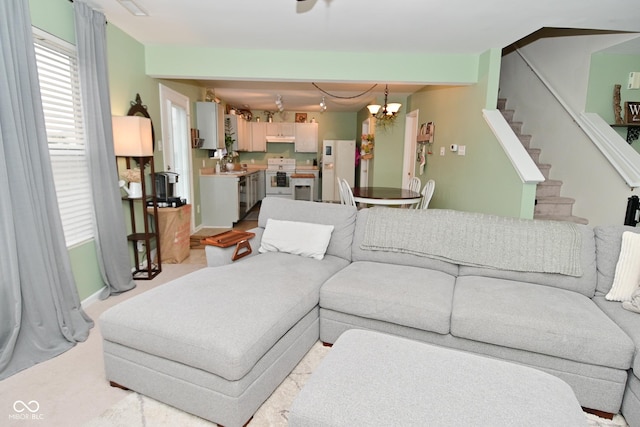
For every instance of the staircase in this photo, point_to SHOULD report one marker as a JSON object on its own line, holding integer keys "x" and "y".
{"x": 549, "y": 204}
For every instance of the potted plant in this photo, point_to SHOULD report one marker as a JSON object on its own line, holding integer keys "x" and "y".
{"x": 229, "y": 160}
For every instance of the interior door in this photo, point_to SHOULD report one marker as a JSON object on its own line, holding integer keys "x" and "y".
{"x": 175, "y": 113}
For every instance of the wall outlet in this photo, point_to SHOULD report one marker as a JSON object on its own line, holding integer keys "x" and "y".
{"x": 140, "y": 246}
{"x": 462, "y": 150}
{"x": 442, "y": 151}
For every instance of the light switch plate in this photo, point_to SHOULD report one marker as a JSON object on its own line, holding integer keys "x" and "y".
{"x": 462, "y": 150}
{"x": 442, "y": 151}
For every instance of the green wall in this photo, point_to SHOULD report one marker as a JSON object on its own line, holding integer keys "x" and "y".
{"x": 201, "y": 62}
{"x": 607, "y": 70}
{"x": 483, "y": 180}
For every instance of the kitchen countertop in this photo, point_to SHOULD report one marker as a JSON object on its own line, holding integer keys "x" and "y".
{"x": 249, "y": 170}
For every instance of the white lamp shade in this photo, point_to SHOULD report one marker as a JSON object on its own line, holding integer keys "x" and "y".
{"x": 393, "y": 107}
{"x": 373, "y": 109}
{"x": 132, "y": 136}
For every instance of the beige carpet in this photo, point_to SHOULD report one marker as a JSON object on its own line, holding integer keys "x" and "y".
{"x": 137, "y": 410}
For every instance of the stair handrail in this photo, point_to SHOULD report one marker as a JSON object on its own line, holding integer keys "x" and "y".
{"x": 615, "y": 149}
{"x": 612, "y": 146}
{"x": 522, "y": 162}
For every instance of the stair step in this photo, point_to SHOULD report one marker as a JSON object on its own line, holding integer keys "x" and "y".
{"x": 517, "y": 127}
{"x": 570, "y": 218}
{"x": 548, "y": 188}
{"x": 535, "y": 154}
{"x": 508, "y": 115}
{"x": 525, "y": 140}
{"x": 544, "y": 168}
{"x": 554, "y": 206}
{"x": 502, "y": 103}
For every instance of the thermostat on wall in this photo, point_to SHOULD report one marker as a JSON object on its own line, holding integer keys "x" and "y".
{"x": 453, "y": 147}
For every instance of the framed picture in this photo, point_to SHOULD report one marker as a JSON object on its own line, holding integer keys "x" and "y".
{"x": 632, "y": 113}
{"x": 301, "y": 117}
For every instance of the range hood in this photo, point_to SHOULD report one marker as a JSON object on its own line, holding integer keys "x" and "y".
{"x": 281, "y": 139}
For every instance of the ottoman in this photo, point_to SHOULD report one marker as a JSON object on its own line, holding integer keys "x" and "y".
{"x": 370, "y": 378}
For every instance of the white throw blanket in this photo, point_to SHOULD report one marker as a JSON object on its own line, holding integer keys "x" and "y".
{"x": 477, "y": 239}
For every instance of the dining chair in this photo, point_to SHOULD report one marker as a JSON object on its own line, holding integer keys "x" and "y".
{"x": 346, "y": 195}
{"x": 415, "y": 184}
{"x": 427, "y": 194}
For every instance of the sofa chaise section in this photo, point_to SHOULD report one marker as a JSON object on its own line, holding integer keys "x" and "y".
{"x": 217, "y": 342}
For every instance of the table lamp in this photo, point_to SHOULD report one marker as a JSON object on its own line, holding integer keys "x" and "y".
{"x": 132, "y": 136}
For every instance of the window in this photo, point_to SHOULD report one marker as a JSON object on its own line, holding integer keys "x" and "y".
{"x": 60, "y": 91}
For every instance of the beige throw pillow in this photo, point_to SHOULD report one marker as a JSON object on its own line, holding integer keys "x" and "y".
{"x": 627, "y": 276}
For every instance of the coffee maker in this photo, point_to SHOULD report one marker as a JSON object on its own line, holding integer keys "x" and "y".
{"x": 166, "y": 190}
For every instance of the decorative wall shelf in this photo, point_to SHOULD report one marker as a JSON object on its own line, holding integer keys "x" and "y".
{"x": 633, "y": 131}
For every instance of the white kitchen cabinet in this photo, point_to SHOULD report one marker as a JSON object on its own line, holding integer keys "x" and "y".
{"x": 306, "y": 137}
{"x": 240, "y": 132}
{"x": 219, "y": 200}
{"x": 258, "y": 136}
{"x": 210, "y": 122}
{"x": 262, "y": 185}
{"x": 281, "y": 129}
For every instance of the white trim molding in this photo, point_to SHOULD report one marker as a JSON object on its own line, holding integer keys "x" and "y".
{"x": 513, "y": 148}
{"x": 622, "y": 156}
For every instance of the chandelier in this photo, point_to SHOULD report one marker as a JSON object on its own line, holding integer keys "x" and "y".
{"x": 387, "y": 113}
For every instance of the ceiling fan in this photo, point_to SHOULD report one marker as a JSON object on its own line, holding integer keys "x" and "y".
{"x": 303, "y": 6}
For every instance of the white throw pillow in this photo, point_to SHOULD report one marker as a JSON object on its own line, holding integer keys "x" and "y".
{"x": 627, "y": 276}
{"x": 297, "y": 238}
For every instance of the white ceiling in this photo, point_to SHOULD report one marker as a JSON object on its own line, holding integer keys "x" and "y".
{"x": 452, "y": 26}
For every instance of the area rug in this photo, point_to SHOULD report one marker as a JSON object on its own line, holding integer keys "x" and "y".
{"x": 136, "y": 410}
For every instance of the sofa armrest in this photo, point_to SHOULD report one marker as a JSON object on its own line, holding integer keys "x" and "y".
{"x": 217, "y": 257}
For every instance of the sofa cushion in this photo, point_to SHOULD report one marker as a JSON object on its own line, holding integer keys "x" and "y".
{"x": 404, "y": 295}
{"x": 342, "y": 217}
{"x": 584, "y": 284}
{"x": 390, "y": 257}
{"x": 229, "y": 316}
{"x": 608, "y": 243}
{"x": 628, "y": 321}
{"x": 539, "y": 319}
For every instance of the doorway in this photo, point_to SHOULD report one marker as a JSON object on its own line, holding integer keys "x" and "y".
{"x": 175, "y": 118}
{"x": 410, "y": 146}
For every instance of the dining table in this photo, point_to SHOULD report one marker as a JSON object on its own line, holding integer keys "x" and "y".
{"x": 388, "y": 196}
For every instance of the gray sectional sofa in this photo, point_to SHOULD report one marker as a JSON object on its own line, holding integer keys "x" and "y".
{"x": 217, "y": 342}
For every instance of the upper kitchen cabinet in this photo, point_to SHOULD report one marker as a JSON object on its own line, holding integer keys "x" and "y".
{"x": 240, "y": 132}
{"x": 306, "y": 137}
{"x": 280, "y": 132}
{"x": 258, "y": 136}
{"x": 210, "y": 122}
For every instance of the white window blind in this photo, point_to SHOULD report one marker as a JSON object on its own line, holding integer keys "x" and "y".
{"x": 60, "y": 90}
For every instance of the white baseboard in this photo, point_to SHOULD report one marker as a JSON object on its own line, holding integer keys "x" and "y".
{"x": 92, "y": 298}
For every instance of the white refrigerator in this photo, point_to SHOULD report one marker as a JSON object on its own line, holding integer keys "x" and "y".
{"x": 338, "y": 161}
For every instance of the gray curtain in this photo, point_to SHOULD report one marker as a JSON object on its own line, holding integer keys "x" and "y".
{"x": 40, "y": 313}
{"x": 111, "y": 232}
